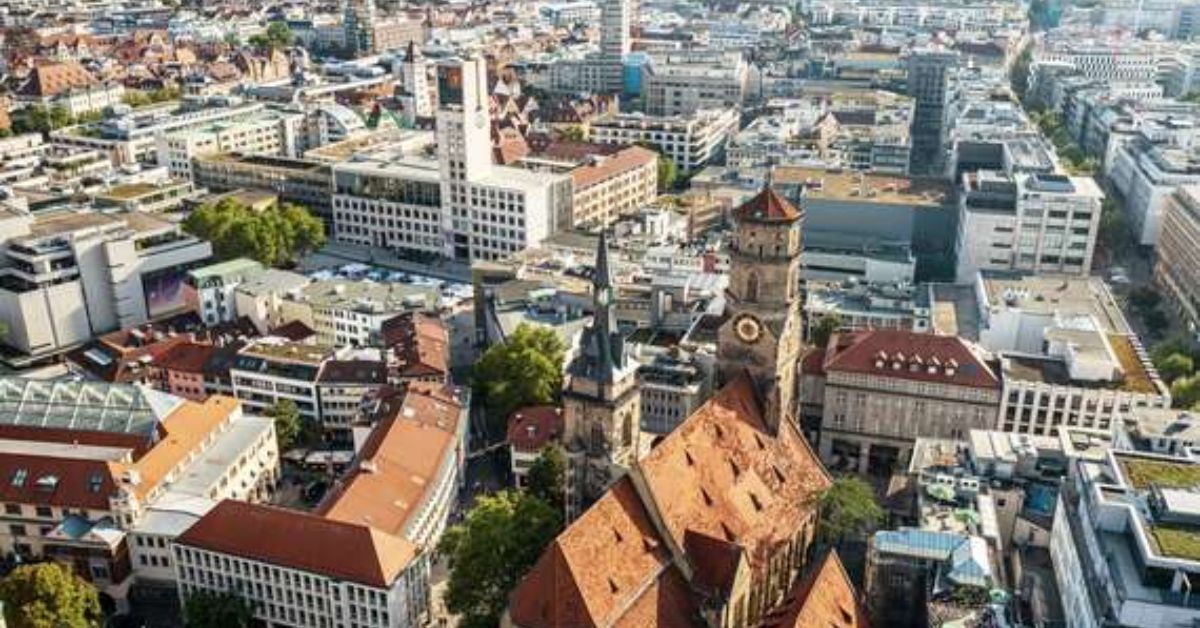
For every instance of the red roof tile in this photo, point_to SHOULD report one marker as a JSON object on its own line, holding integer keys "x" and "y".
{"x": 909, "y": 355}
{"x": 419, "y": 343}
{"x": 768, "y": 206}
{"x": 825, "y": 597}
{"x": 186, "y": 357}
{"x": 76, "y": 483}
{"x": 530, "y": 429}
{"x": 628, "y": 159}
{"x": 301, "y": 541}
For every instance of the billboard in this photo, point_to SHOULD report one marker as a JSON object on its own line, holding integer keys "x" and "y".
{"x": 166, "y": 292}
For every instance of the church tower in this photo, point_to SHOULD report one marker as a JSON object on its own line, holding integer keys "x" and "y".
{"x": 761, "y": 333}
{"x": 416, "y": 96}
{"x": 601, "y": 399}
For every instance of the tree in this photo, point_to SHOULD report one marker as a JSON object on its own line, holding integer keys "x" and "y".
{"x": 279, "y": 35}
{"x": 1113, "y": 233}
{"x": 667, "y": 173}
{"x": 547, "y": 476}
{"x": 288, "y": 424}
{"x": 276, "y": 237}
{"x": 48, "y": 595}
{"x": 1185, "y": 392}
{"x": 501, "y": 538}
{"x": 1144, "y": 299}
{"x": 205, "y": 609}
{"x": 848, "y": 509}
{"x": 1175, "y": 366}
{"x": 573, "y": 133}
{"x": 524, "y": 370}
{"x": 821, "y": 330}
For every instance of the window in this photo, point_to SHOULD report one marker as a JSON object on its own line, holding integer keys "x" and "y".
{"x": 44, "y": 511}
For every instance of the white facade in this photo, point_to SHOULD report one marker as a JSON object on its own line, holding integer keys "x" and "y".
{"x": 274, "y": 134}
{"x": 691, "y": 141}
{"x": 1039, "y": 223}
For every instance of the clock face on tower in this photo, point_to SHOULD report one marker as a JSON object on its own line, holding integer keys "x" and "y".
{"x": 747, "y": 328}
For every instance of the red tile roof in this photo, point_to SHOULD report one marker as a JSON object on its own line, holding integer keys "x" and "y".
{"x": 419, "y": 343}
{"x": 301, "y": 541}
{"x": 768, "y": 206}
{"x": 77, "y": 483}
{"x": 920, "y": 357}
{"x": 610, "y": 562}
{"x": 724, "y": 489}
{"x": 825, "y": 597}
{"x": 186, "y": 357}
{"x": 296, "y": 331}
{"x": 399, "y": 463}
{"x": 530, "y": 429}
{"x": 52, "y": 79}
{"x": 628, "y": 159}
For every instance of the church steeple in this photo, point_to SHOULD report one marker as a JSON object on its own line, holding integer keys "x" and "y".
{"x": 609, "y": 345}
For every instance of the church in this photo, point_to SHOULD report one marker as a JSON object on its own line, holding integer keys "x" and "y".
{"x": 714, "y": 525}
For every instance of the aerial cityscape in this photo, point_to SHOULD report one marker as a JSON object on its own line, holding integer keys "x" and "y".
{"x": 600, "y": 313}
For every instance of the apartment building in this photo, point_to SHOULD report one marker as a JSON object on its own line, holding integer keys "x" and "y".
{"x": 352, "y": 313}
{"x": 885, "y": 388}
{"x": 70, "y": 86}
{"x": 212, "y": 288}
{"x": 72, "y": 275}
{"x": 362, "y": 558}
{"x": 130, "y": 137}
{"x": 530, "y": 430}
{"x": 1030, "y": 222}
{"x": 417, "y": 347}
{"x": 260, "y": 298}
{"x": 691, "y": 141}
{"x": 1177, "y": 256}
{"x": 612, "y": 186}
{"x": 964, "y": 16}
{"x": 272, "y": 132}
{"x": 683, "y": 83}
{"x": 82, "y": 494}
{"x": 1122, "y": 542}
{"x": 671, "y": 390}
{"x": 271, "y": 370}
{"x": 852, "y": 129}
{"x": 342, "y": 387}
{"x": 299, "y": 181}
{"x": 160, "y": 196}
{"x": 1147, "y": 174}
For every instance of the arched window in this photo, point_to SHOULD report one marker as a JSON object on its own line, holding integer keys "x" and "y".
{"x": 752, "y": 287}
{"x": 627, "y": 430}
{"x": 598, "y": 437}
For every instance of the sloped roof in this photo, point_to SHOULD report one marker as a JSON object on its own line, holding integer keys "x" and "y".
{"x": 825, "y": 597}
{"x": 768, "y": 206}
{"x": 52, "y": 79}
{"x": 301, "y": 541}
{"x": 607, "y": 563}
{"x": 725, "y": 490}
{"x": 922, "y": 357}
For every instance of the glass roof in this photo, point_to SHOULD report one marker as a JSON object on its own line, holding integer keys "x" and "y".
{"x": 76, "y": 405}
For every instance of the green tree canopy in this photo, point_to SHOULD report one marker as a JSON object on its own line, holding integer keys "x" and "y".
{"x": 48, "y": 595}
{"x": 524, "y": 370}
{"x": 821, "y": 330}
{"x": 205, "y": 609}
{"x": 288, "y": 423}
{"x": 500, "y": 540}
{"x": 278, "y": 236}
{"x": 848, "y": 509}
{"x": 668, "y": 173}
{"x": 1175, "y": 366}
{"x": 1185, "y": 392}
{"x": 547, "y": 476}
{"x": 573, "y": 133}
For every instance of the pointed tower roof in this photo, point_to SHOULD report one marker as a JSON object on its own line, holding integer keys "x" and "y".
{"x": 603, "y": 276}
{"x": 768, "y": 206}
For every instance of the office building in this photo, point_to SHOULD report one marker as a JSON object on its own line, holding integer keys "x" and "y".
{"x": 72, "y": 275}
{"x": 1042, "y": 223}
{"x": 272, "y": 132}
{"x": 211, "y": 288}
{"x": 1147, "y": 173}
{"x": 691, "y": 141}
{"x": 684, "y": 83}
{"x": 884, "y": 389}
{"x": 928, "y": 85}
{"x": 609, "y": 187}
{"x": 298, "y": 181}
{"x": 1177, "y": 256}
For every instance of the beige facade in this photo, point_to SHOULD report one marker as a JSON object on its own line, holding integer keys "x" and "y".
{"x": 1177, "y": 267}
{"x": 614, "y": 186}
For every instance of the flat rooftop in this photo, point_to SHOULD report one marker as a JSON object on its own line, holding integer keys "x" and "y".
{"x": 1051, "y": 294}
{"x": 865, "y": 187}
{"x": 290, "y": 352}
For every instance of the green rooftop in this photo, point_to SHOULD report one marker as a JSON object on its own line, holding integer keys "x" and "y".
{"x": 1177, "y": 541}
{"x": 1143, "y": 473}
{"x": 130, "y": 191}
